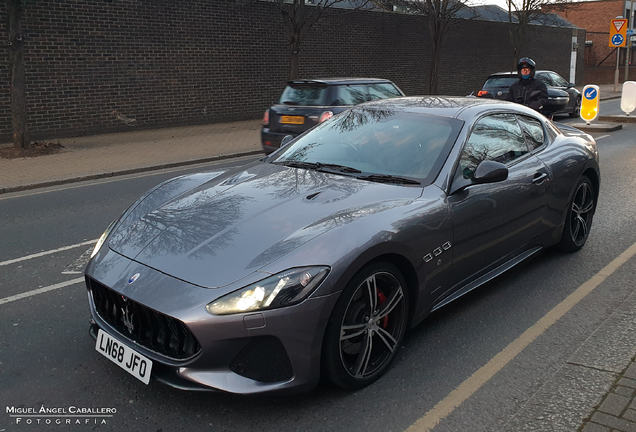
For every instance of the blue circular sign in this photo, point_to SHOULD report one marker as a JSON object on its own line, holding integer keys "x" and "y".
{"x": 617, "y": 39}
{"x": 590, "y": 94}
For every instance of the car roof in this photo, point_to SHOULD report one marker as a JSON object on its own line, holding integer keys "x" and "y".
{"x": 339, "y": 81}
{"x": 449, "y": 106}
{"x": 515, "y": 73}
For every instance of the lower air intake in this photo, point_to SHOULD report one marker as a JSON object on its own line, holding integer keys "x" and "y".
{"x": 263, "y": 359}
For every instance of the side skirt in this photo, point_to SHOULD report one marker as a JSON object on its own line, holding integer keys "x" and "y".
{"x": 487, "y": 277}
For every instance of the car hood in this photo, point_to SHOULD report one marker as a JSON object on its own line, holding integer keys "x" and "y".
{"x": 232, "y": 225}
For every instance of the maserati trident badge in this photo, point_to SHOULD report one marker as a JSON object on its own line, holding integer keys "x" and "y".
{"x": 127, "y": 319}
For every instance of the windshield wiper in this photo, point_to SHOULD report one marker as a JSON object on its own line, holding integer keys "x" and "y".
{"x": 341, "y": 168}
{"x": 297, "y": 164}
{"x": 319, "y": 166}
{"x": 290, "y": 103}
{"x": 384, "y": 178}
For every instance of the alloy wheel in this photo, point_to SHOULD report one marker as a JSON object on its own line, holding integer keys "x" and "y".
{"x": 372, "y": 326}
{"x": 582, "y": 212}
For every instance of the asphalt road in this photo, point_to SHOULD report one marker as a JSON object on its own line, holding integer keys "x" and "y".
{"x": 47, "y": 358}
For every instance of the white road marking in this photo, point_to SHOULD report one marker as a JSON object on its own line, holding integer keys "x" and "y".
{"x": 40, "y": 290}
{"x": 80, "y": 263}
{"x": 601, "y": 137}
{"x": 466, "y": 389}
{"x": 40, "y": 254}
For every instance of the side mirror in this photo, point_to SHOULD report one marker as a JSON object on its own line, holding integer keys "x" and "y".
{"x": 486, "y": 172}
{"x": 286, "y": 140}
{"x": 490, "y": 172}
{"x": 570, "y": 85}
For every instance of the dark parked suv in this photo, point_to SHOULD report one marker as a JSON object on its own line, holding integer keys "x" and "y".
{"x": 307, "y": 102}
{"x": 563, "y": 98}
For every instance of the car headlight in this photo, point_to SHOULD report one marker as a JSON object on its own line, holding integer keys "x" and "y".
{"x": 102, "y": 238}
{"x": 283, "y": 289}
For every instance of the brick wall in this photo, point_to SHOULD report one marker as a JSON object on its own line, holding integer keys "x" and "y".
{"x": 595, "y": 17}
{"x": 97, "y": 66}
{"x": 606, "y": 75}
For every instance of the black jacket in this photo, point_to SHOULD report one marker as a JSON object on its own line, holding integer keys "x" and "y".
{"x": 531, "y": 93}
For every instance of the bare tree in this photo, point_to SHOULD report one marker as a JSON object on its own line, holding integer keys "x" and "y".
{"x": 440, "y": 16}
{"x": 16, "y": 74}
{"x": 300, "y": 16}
{"x": 525, "y": 11}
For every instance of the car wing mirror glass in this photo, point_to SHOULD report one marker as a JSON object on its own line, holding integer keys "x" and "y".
{"x": 490, "y": 172}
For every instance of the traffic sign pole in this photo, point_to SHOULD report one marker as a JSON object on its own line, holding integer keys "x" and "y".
{"x": 617, "y": 39}
{"x": 629, "y": 34}
{"x": 616, "y": 72}
{"x": 627, "y": 63}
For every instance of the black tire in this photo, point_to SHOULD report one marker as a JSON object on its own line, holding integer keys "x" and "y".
{"x": 578, "y": 220}
{"x": 371, "y": 313}
{"x": 577, "y": 109}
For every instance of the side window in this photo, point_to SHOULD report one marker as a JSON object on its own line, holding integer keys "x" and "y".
{"x": 544, "y": 78}
{"x": 533, "y": 131}
{"x": 382, "y": 91}
{"x": 558, "y": 80}
{"x": 497, "y": 138}
{"x": 351, "y": 94}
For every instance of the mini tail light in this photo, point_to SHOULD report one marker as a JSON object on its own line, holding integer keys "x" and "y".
{"x": 325, "y": 116}
{"x": 266, "y": 117}
{"x": 482, "y": 93}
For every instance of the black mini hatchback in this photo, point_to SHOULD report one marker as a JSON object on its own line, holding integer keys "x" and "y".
{"x": 306, "y": 102}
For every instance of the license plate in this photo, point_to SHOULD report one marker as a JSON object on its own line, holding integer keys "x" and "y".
{"x": 292, "y": 119}
{"x": 126, "y": 358}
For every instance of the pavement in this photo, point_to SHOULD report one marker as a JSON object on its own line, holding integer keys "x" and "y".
{"x": 612, "y": 408}
{"x": 91, "y": 157}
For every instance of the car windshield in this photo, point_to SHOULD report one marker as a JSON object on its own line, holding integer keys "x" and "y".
{"x": 374, "y": 141}
{"x": 304, "y": 94}
{"x": 506, "y": 81}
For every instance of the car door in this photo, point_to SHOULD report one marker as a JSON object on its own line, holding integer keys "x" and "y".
{"x": 492, "y": 223}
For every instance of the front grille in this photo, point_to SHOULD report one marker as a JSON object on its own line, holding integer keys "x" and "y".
{"x": 151, "y": 329}
{"x": 263, "y": 359}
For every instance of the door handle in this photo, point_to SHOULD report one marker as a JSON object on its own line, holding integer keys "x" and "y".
{"x": 539, "y": 178}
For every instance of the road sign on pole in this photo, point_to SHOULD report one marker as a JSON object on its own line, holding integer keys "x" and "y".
{"x": 618, "y": 33}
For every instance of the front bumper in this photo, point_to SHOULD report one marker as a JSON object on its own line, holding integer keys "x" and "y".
{"x": 274, "y": 351}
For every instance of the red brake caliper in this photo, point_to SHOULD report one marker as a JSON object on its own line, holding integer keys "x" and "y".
{"x": 385, "y": 320}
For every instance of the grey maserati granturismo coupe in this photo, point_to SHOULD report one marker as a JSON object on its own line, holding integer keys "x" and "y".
{"x": 314, "y": 261}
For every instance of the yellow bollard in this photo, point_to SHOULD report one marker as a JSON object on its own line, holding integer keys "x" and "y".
{"x": 589, "y": 103}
